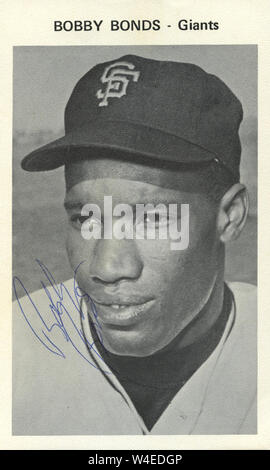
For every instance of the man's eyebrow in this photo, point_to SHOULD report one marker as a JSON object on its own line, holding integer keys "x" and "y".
{"x": 69, "y": 205}
{"x": 156, "y": 203}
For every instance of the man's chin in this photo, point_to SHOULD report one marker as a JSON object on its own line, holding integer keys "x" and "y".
{"x": 129, "y": 343}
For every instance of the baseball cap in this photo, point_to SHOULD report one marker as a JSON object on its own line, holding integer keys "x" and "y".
{"x": 164, "y": 110}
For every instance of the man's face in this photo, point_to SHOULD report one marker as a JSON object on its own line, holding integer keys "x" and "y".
{"x": 145, "y": 293}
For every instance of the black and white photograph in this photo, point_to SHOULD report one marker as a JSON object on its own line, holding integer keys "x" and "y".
{"x": 134, "y": 240}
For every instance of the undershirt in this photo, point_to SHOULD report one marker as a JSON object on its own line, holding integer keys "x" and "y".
{"x": 152, "y": 381}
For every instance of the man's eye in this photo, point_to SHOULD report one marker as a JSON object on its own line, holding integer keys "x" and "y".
{"x": 78, "y": 220}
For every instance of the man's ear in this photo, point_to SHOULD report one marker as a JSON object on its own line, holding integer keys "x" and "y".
{"x": 232, "y": 214}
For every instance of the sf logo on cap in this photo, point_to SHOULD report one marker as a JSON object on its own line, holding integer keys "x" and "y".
{"x": 117, "y": 77}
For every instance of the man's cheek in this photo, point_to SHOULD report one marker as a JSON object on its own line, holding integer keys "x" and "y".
{"x": 162, "y": 266}
{"x": 75, "y": 248}
{"x": 154, "y": 252}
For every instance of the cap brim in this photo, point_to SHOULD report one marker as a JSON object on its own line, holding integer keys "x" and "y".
{"x": 123, "y": 136}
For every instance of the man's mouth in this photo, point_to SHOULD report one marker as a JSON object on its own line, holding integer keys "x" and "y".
{"x": 122, "y": 313}
{"x": 117, "y": 306}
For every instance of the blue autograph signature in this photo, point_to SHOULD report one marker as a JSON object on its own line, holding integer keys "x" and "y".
{"x": 61, "y": 318}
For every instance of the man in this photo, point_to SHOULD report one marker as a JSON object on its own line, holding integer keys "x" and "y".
{"x": 147, "y": 337}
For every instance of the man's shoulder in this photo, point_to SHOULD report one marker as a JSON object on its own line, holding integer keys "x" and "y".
{"x": 53, "y": 372}
{"x": 22, "y": 295}
{"x": 244, "y": 327}
{"x": 231, "y": 396}
{"x": 243, "y": 289}
{"x": 47, "y": 326}
{"x": 38, "y": 311}
{"x": 245, "y": 300}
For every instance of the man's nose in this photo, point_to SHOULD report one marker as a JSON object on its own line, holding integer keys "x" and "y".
{"x": 115, "y": 260}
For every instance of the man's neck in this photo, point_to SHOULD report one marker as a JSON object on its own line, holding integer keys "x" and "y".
{"x": 152, "y": 381}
